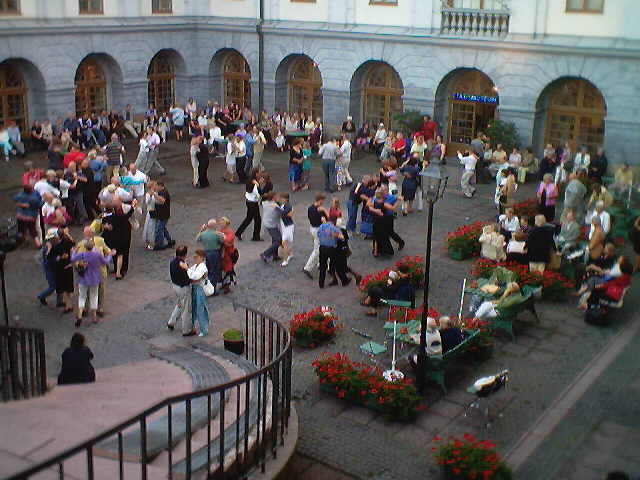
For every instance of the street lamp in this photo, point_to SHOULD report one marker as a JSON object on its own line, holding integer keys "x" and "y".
{"x": 3, "y": 255}
{"x": 434, "y": 184}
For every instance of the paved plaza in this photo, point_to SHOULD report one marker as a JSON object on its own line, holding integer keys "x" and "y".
{"x": 597, "y": 431}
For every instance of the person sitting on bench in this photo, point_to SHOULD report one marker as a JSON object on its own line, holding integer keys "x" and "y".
{"x": 433, "y": 342}
{"x": 609, "y": 286}
{"x": 490, "y": 308}
{"x": 450, "y": 335}
{"x": 397, "y": 287}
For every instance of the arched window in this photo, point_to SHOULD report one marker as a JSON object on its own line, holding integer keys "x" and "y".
{"x": 91, "y": 88}
{"x": 473, "y": 100}
{"x": 161, "y": 82}
{"x": 305, "y": 88}
{"x": 13, "y": 96}
{"x": 575, "y": 114}
{"x": 382, "y": 94}
{"x": 236, "y": 80}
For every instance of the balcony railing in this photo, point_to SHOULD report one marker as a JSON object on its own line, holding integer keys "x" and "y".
{"x": 478, "y": 22}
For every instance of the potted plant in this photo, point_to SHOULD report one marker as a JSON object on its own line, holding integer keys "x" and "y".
{"x": 464, "y": 242}
{"x": 415, "y": 266}
{"x": 469, "y": 459}
{"x": 366, "y": 386}
{"x": 310, "y": 329}
{"x": 233, "y": 341}
{"x": 482, "y": 346}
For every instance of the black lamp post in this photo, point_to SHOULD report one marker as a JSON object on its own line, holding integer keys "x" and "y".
{"x": 434, "y": 184}
{"x": 3, "y": 255}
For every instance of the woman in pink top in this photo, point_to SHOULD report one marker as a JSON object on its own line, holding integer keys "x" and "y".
{"x": 547, "y": 196}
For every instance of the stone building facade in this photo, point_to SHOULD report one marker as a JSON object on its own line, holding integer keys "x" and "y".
{"x": 570, "y": 87}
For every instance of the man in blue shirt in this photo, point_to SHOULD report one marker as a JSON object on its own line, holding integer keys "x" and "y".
{"x": 328, "y": 235}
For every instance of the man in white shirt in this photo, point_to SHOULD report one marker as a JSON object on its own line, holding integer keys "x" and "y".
{"x": 605, "y": 218}
{"x": 582, "y": 160}
{"x": 379, "y": 139}
{"x": 44, "y": 185}
{"x": 153, "y": 141}
{"x": 139, "y": 180}
{"x": 345, "y": 157}
{"x": 469, "y": 161}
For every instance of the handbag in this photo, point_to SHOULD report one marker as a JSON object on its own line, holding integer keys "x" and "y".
{"x": 208, "y": 288}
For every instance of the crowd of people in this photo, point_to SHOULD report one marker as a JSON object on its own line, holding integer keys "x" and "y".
{"x": 87, "y": 184}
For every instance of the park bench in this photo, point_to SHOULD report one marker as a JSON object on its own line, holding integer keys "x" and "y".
{"x": 436, "y": 365}
{"x": 505, "y": 318}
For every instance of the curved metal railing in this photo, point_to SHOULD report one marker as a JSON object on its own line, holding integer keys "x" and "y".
{"x": 23, "y": 368}
{"x": 267, "y": 346}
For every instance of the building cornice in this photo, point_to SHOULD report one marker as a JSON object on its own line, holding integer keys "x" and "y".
{"x": 556, "y": 44}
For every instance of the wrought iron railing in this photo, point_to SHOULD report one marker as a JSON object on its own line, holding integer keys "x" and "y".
{"x": 232, "y": 451}
{"x": 475, "y": 21}
{"x": 23, "y": 369}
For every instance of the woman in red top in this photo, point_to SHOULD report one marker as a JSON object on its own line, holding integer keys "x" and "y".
{"x": 612, "y": 290}
{"x": 229, "y": 254}
{"x": 399, "y": 146}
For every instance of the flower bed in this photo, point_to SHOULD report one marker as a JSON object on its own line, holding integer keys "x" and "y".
{"x": 365, "y": 385}
{"x": 310, "y": 329}
{"x": 554, "y": 285}
{"x": 415, "y": 266}
{"x": 465, "y": 241}
{"x": 398, "y": 314}
{"x": 528, "y": 208}
{"x": 470, "y": 459}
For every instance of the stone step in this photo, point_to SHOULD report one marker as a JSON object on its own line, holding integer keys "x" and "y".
{"x": 234, "y": 431}
{"x": 205, "y": 372}
{"x": 68, "y": 415}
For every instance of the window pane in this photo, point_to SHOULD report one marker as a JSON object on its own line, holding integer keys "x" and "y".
{"x": 161, "y": 6}
{"x": 595, "y": 5}
{"x": 461, "y": 130}
{"x": 575, "y": 4}
{"x": 9, "y": 6}
{"x": 90, "y": 6}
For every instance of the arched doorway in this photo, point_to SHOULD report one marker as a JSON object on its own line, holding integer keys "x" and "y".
{"x": 91, "y": 88}
{"x": 305, "y": 87}
{"x": 382, "y": 94}
{"x": 161, "y": 77}
{"x": 573, "y": 110}
{"x": 13, "y": 96}
{"x": 237, "y": 76}
{"x": 466, "y": 103}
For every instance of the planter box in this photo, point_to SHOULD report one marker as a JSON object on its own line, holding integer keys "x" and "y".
{"x": 236, "y": 347}
{"x": 457, "y": 254}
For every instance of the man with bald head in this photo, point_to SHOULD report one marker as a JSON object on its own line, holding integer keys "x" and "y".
{"x": 212, "y": 242}
{"x": 100, "y": 246}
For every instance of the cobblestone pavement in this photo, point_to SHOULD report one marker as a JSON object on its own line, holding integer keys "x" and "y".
{"x": 355, "y": 442}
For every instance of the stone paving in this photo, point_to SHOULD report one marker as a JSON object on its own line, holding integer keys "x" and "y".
{"x": 336, "y": 440}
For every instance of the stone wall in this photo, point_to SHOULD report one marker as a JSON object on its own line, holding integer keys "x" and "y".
{"x": 520, "y": 72}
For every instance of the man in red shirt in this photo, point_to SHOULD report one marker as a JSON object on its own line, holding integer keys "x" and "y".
{"x": 430, "y": 128}
{"x": 75, "y": 155}
{"x": 31, "y": 175}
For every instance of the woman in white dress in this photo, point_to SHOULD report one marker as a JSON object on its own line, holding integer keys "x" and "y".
{"x": 230, "y": 173}
{"x": 193, "y": 155}
{"x": 148, "y": 231}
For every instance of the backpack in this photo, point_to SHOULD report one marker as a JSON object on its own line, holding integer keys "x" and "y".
{"x": 597, "y": 316}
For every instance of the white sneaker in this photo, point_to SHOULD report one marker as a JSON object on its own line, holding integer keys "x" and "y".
{"x": 286, "y": 262}
{"x": 202, "y": 334}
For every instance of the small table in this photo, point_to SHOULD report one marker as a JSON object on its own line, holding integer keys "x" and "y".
{"x": 296, "y": 134}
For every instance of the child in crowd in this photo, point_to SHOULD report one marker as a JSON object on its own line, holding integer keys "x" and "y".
{"x": 280, "y": 141}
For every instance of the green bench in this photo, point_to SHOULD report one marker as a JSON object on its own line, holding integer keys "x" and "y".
{"x": 505, "y": 318}
{"x": 436, "y": 365}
